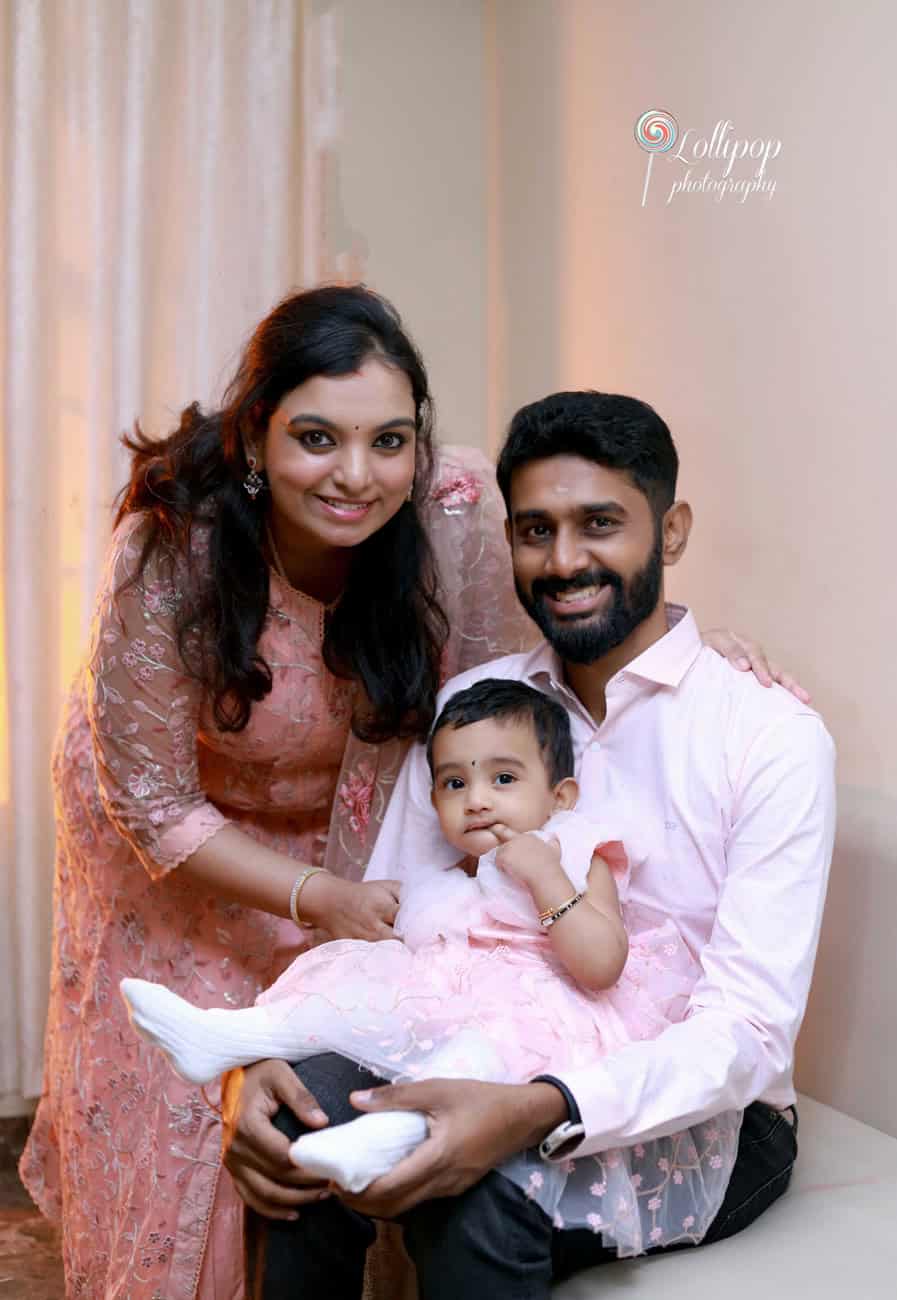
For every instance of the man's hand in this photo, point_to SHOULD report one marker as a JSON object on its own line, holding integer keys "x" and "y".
{"x": 473, "y": 1127}
{"x": 525, "y": 857}
{"x": 255, "y": 1152}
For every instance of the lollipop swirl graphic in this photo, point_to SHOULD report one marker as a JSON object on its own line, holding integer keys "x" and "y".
{"x": 655, "y": 132}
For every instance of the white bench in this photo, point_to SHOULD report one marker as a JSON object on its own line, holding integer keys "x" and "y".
{"x": 832, "y": 1236}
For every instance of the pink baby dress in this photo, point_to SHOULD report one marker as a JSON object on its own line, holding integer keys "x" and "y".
{"x": 473, "y": 957}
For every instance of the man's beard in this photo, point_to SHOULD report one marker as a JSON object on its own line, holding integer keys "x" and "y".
{"x": 587, "y": 638}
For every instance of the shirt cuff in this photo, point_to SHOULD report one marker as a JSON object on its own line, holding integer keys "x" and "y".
{"x": 598, "y": 1106}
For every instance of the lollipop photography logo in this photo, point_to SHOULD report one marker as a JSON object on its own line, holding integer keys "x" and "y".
{"x": 723, "y": 164}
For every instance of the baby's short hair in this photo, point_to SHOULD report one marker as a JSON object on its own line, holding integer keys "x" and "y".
{"x": 496, "y": 697}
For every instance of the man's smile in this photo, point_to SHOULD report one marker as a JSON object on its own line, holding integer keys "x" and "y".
{"x": 579, "y": 600}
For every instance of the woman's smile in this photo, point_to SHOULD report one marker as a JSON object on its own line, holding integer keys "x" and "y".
{"x": 351, "y": 511}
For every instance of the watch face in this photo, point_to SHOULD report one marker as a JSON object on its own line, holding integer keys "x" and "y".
{"x": 561, "y": 1140}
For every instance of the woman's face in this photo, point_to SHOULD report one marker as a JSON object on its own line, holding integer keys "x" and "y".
{"x": 339, "y": 455}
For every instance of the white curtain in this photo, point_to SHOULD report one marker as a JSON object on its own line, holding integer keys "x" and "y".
{"x": 162, "y": 164}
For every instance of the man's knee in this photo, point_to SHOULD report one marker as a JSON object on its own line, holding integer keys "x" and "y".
{"x": 329, "y": 1078}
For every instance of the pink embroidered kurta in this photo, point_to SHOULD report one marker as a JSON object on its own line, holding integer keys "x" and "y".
{"x": 126, "y": 1154}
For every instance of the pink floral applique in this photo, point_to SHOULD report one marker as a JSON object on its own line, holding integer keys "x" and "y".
{"x": 688, "y": 1221}
{"x": 160, "y": 598}
{"x": 655, "y": 1234}
{"x": 463, "y": 490}
{"x": 598, "y": 1189}
{"x": 535, "y": 1182}
{"x": 595, "y": 1222}
{"x": 356, "y": 794}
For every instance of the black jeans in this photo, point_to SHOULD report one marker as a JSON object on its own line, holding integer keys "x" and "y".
{"x": 490, "y": 1241}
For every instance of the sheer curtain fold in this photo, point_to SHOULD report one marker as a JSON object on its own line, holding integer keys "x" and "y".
{"x": 152, "y": 160}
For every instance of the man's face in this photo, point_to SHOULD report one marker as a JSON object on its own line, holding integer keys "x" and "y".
{"x": 587, "y": 554}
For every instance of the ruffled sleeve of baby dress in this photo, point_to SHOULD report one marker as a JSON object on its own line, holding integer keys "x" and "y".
{"x": 509, "y": 902}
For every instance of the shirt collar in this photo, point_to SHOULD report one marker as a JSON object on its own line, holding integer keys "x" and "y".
{"x": 665, "y": 662}
{"x": 669, "y": 659}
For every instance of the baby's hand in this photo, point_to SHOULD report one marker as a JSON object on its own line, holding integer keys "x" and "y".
{"x": 524, "y": 857}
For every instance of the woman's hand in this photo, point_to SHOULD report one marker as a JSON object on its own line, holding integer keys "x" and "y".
{"x": 749, "y": 656}
{"x": 255, "y": 1152}
{"x": 350, "y": 911}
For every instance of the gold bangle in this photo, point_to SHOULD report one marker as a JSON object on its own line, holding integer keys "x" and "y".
{"x": 298, "y": 885}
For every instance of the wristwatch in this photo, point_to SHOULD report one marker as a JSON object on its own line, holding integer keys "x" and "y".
{"x": 552, "y": 1145}
{"x": 570, "y": 1131}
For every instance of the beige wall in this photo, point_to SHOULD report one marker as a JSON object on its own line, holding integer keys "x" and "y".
{"x": 407, "y": 198}
{"x": 764, "y": 332}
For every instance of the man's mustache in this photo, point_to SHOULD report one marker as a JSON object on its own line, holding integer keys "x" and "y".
{"x": 593, "y": 578}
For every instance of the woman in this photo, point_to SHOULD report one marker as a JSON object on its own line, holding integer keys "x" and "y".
{"x": 270, "y": 633}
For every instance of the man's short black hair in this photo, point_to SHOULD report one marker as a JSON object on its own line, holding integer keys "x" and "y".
{"x": 617, "y": 432}
{"x": 495, "y": 697}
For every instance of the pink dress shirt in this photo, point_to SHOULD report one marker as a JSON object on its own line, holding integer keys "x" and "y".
{"x": 729, "y": 789}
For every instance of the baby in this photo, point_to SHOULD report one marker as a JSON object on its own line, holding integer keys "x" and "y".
{"x": 511, "y": 964}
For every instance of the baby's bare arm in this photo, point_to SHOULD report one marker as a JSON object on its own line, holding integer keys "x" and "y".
{"x": 590, "y": 939}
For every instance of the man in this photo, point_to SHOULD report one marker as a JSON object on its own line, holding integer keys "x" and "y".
{"x": 733, "y": 787}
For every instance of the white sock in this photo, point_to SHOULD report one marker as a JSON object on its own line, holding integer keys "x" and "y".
{"x": 202, "y": 1044}
{"x": 352, "y": 1155}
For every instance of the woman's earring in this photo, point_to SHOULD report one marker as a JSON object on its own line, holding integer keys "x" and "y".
{"x": 253, "y": 482}
{"x": 410, "y": 495}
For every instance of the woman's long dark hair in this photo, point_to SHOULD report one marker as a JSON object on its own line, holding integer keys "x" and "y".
{"x": 389, "y": 629}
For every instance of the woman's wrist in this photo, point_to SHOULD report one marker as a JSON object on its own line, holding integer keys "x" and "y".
{"x": 318, "y": 898}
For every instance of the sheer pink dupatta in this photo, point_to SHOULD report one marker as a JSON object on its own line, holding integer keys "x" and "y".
{"x": 465, "y": 520}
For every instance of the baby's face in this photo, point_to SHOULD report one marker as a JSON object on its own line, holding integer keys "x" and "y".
{"x": 489, "y": 773}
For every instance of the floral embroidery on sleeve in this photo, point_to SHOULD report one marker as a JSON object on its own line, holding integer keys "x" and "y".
{"x": 356, "y": 794}
{"x": 144, "y": 710}
{"x": 454, "y": 493}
